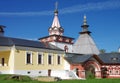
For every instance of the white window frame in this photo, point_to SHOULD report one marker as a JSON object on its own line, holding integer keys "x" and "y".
{"x": 42, "y": 58}
{"x": 30, "y": 52}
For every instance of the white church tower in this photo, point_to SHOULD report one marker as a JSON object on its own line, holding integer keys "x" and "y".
{"x": 56, "y": 28}
{"x": 85, "y": 44}
{"x": 56, "y": 36}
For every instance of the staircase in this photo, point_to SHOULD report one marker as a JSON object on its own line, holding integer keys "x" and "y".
{"x": 73, "y": 75}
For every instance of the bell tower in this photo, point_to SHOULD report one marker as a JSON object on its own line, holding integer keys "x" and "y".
{"x": 56, "y": 36}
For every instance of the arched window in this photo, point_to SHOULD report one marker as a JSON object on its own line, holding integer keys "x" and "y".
{"x": 66, "y": 48}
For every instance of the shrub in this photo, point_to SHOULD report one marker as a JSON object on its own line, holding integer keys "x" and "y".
{"x": 89, "y": 75}
{"x": 15, "y": 77}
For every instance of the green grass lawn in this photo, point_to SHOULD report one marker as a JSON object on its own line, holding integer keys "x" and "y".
{"x": 66, "y": 81}
{"x": 26, "y": 79}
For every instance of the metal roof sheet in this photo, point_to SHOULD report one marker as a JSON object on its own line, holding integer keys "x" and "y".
{"x": 110, "y": 58}
{"x": 8, "y": 41}
{"x": 77, "y": 58}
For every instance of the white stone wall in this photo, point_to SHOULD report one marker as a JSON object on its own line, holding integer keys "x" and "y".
{"x": 32, "y": 73}
{"x": 4, "y": 72}
{"x": 66, "y": 65}
{"x": 63, "y": 74}
{"x": 60, "y": 73}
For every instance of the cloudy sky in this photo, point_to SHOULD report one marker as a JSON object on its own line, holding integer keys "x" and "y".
{"x": 30, "y": 19}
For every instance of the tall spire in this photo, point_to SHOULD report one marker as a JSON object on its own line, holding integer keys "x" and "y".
{"x": 56, "y": 28}
{"x": 56, "y": 22}
{"x": 85, "y": 26}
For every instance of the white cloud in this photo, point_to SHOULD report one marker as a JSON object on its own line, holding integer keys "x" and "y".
{"x": 110, "y": 4}
{"x": 26, "y": 13}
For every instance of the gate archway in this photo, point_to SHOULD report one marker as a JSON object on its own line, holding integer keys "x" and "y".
{"x": 92, "y": 70}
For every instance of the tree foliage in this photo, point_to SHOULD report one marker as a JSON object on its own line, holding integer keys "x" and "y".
{"x": 102, "y": 51}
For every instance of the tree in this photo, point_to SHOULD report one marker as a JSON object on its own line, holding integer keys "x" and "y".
{"x": 102, "y": 51}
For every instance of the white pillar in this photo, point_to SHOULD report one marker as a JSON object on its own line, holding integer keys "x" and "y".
{"x": 12, "y": 60}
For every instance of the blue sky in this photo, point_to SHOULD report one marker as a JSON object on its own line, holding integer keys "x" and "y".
{"x": 30, "y": 19}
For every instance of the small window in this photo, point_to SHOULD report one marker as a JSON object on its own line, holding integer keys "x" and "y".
{"x": 28, "y": 72}
{"x": 117, "y": 72}
{"x": 66, "y": 48}
{"x": 49, "y": 59}
{"x": 40, "y": 59}
{"x": 39, "y": 72}
{"x": 58, "y": 60}
{"x": 114, "y": 59}
{"x": 29, "y": 58}
{"x": 110, "y": 72}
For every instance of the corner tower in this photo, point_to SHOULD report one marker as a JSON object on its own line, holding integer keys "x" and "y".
{"x": 85, "y": 44}
{"x": 56, "y": 36}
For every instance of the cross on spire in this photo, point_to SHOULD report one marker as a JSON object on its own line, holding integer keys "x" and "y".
{"x": 85, "y": 26}
{"x": 85, "y": 20}
{"x": 56, "y": 8}
{"x": 56, "y": 5}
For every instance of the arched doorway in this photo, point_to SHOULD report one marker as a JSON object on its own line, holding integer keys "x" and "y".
{"x": 90, "y": 72}
{"x": 92, "y": 69}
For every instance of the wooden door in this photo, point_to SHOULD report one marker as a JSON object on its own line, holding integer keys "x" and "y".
{"x": 49, "y": 72}
{"x": 3, "y": 61}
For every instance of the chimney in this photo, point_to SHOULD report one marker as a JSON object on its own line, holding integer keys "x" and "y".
{"x": 2, "y": 30}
